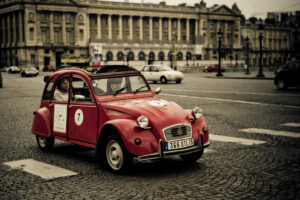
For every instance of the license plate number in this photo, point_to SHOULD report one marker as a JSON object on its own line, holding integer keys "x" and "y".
{"x": 179, "y": 144}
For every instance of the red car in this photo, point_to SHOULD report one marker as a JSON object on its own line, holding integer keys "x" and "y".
{"x": 213, "y": 68}
{"x": 49, "y": 68}
{"x": 115, "y": 112}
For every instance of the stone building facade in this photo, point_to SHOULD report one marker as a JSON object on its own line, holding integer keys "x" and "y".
{"x": 40, "y": 32}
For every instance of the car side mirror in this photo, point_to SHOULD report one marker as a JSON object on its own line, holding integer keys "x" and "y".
{"x": 79, "y": 97}
{"x": 46, "y": 78}
{"x": 157, "y": 90}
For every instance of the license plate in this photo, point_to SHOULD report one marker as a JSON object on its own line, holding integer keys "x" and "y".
{"x": 179, "y": 144}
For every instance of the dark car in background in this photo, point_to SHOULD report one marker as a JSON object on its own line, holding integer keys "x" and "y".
{"x": 213, "y": 68}
{"x": 29, "y": 72}
{"x": 288, "y": 75}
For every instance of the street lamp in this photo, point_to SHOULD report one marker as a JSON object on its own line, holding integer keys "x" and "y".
{"x": 127, "y": 49}
{"x": 247, "y": 55}
{"x": 260, "y": 72}
{"x": 173, "y": 54}
{"x": 220, "y": 34}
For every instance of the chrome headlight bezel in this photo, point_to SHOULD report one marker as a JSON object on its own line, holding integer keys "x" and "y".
{"x": 143, "y": 122}
{"x": 197, "y": 113}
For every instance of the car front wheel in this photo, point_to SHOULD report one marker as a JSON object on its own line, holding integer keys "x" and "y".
{"x": 45, "y": 144}
{"x": 281, "y": 84}
{"x": 117, "y": 157}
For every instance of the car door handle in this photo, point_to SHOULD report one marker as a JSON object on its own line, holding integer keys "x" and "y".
{"x": 70, "y": 106}
{"x": 50, "y": 105}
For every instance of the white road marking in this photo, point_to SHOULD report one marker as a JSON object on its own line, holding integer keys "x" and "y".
{"x": 41, "y": 169}
{"x": 291, "y": 124}
{"x": 225, "y": 92}
{"x": 243, "y": 141}
{"x": 206, "y": 150}
{"x": 271, "y": 132}
{"x": 232, "y": 101}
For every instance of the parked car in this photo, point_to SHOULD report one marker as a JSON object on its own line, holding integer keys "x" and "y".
{"x": 1, "y": 81}
{"x": 13, "y": 69}
{"x": 161, "y": 73}
{"x": 213, "y": 68}
{"x": 116, "y": 113}
{"x": 49, "y": 68}
{"x": 288, "y": 75}
{"x": 29, "y": 72}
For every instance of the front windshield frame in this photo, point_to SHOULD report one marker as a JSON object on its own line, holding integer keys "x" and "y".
{"x": 131, "y": 84}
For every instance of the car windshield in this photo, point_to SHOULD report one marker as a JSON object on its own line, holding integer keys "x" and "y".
{"x": 120, "y": 84}
{"x": 165, "y": 68}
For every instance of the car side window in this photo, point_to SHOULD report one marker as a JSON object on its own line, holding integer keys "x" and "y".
{"x": 154, "y": 69}
{"x": 47, "y": 91}
{"x": 146, "y": 69}
{"x": 80, "y": 90}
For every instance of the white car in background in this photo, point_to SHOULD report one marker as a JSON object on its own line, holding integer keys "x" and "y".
{"x": 161, "y": 73}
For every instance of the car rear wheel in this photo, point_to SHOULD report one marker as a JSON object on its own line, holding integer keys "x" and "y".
{"x": 118, "y": 159}
{"x": 45, "y": 144}
{"x": 281, "y": 84}
{"x": 178, "y": 81}
{"x": 163, "y": 80}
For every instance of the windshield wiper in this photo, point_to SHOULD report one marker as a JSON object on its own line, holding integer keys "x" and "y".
{"x": 119, "y": 90}
{"x": 139, "y": 89}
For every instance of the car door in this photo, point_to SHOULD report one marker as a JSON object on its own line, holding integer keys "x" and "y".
{"x": 155, "y": 73}
{"x": 146, "y": 73}
{"x": 82, "y": 112}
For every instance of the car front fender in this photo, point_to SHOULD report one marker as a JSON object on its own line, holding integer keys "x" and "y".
{"x": 41, "y": 122}
{"x": 129, "y": 132}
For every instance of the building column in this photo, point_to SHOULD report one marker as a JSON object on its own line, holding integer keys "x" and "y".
{"x": 51, "y": 28}
{"x": 160, "y": 28}
{"x": 8, "y": 30}
{"x": 14, "y": 28}
{"x": 38, "y": 28}
{"x": 170, "y": 29}
{"x": 20, "y": 27}
{"x": 178, "y": 30}
{"x": 141, "y": 28}
{"x": 76, "y": 39}
{"x": 187, "y": 29}
{"x": 64, "y": 28}
{"x": 196, "y": 27}
{"x": 3, "y": 31}
{"x": 130, "y": 28}
{"x": 87, "y": 27}
{"x": 109, "y": 27}
{"x": 150, "y": 29}
{"x": 120, "y": 27}
{"x": 99, "y": 27}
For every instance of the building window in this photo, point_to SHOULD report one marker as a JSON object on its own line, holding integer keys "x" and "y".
{"x": 188, "y": 56}
{"x": 161, "y": 56}
{"x": 43, "y": 17}
{"x": 120, "y": 56}
{"x": 31, "y": 30}
{"x": 130, "y": 55}
{"x": 57, "y": 36}
{"x": 81, "y": 33}
{"x": 142, "y": 56}
{"x": 32, "y": 59}
{"x": 179, "y": 56}
{"x": 109, "y": 56}
{"x": 71, "y": 51}
{"x": 68, "y": 18}
{"x": 69, "y": 36}
{"x": 175, "y": 24}
{"x": 45, "y": 37}
{"x": 151, "y": 56}
{"x": 56, "y": 18}
{"x": 31, "y": 17}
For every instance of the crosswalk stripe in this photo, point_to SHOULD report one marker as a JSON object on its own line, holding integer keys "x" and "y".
{"x": 291, "y": 124}
{"x": 271, "y": 132}
{"x": 41, "y": 169}
{"x": 243, "y": 141}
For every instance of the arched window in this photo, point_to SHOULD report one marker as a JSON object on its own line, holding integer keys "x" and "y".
{"x": 120, "y": 56}
{"x": 151, "y": 56}
{"x": 130, "y": 55}
{"x": 161, "y": 56}
{"x": 142, "y": 56}
{"x": 179, "y": 56}
{"x": 188, "y": 56}
{"x": 109, "y": 56}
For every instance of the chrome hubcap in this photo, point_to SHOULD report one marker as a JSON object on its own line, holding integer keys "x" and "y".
{"x": 42, "y": 141}
{"x": 114, "y": 155}
{"x": 281, "y": 84}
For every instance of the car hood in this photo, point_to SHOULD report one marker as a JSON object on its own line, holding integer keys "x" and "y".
{"x": 161, "y": 113}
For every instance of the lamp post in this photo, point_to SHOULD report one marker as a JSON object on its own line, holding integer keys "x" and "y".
{"x": 173, "y": 54}
{"x": 260, "y": 72}
{"x": 247, "y": 55}
{"x": 127, "y": 49}
{"x": 220, "y": 34}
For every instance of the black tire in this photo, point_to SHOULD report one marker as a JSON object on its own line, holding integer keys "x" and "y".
{"x": 117, "y": 158}
{"x": 163, "y": 80}
{"x": 281, "y": 84}
{"x": 193, "y": 157}
{"x": 154, "y": 82}
{"x": 178, "y": 81}
{"x": 45, "y": 144}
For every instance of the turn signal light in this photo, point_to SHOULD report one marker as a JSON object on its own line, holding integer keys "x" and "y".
{"x": 137, "y": 141}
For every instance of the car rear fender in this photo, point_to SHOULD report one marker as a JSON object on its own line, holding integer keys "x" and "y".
{"x": 41, "y": 122}
{"x": 129, "y": 132}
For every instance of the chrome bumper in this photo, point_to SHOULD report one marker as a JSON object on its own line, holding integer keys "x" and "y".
{"x": 161, "y": 153}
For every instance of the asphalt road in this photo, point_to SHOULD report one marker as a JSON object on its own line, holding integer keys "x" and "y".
{"x": 229, "y": 170}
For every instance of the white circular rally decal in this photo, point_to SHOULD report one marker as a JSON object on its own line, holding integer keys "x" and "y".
{"x": 78, "y": 117}
{"x": 157, "y": 103}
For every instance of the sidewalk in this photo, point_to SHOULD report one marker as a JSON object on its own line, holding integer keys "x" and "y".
{"x": 240, "y": 75}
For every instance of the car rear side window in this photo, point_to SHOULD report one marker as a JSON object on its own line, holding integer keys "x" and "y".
{"x": 47, "y": 92}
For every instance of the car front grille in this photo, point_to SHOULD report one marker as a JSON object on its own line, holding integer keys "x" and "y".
{"x": 177, "y": 132}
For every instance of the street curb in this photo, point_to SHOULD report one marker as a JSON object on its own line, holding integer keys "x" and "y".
{"x": 224, "y": 77}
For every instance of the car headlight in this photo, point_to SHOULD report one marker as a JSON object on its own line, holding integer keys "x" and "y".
{"x": 143, "y": 122}
{"x": 197, "y": 112}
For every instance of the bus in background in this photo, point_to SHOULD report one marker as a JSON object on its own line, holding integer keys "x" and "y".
{"x": 88, "y": 64}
